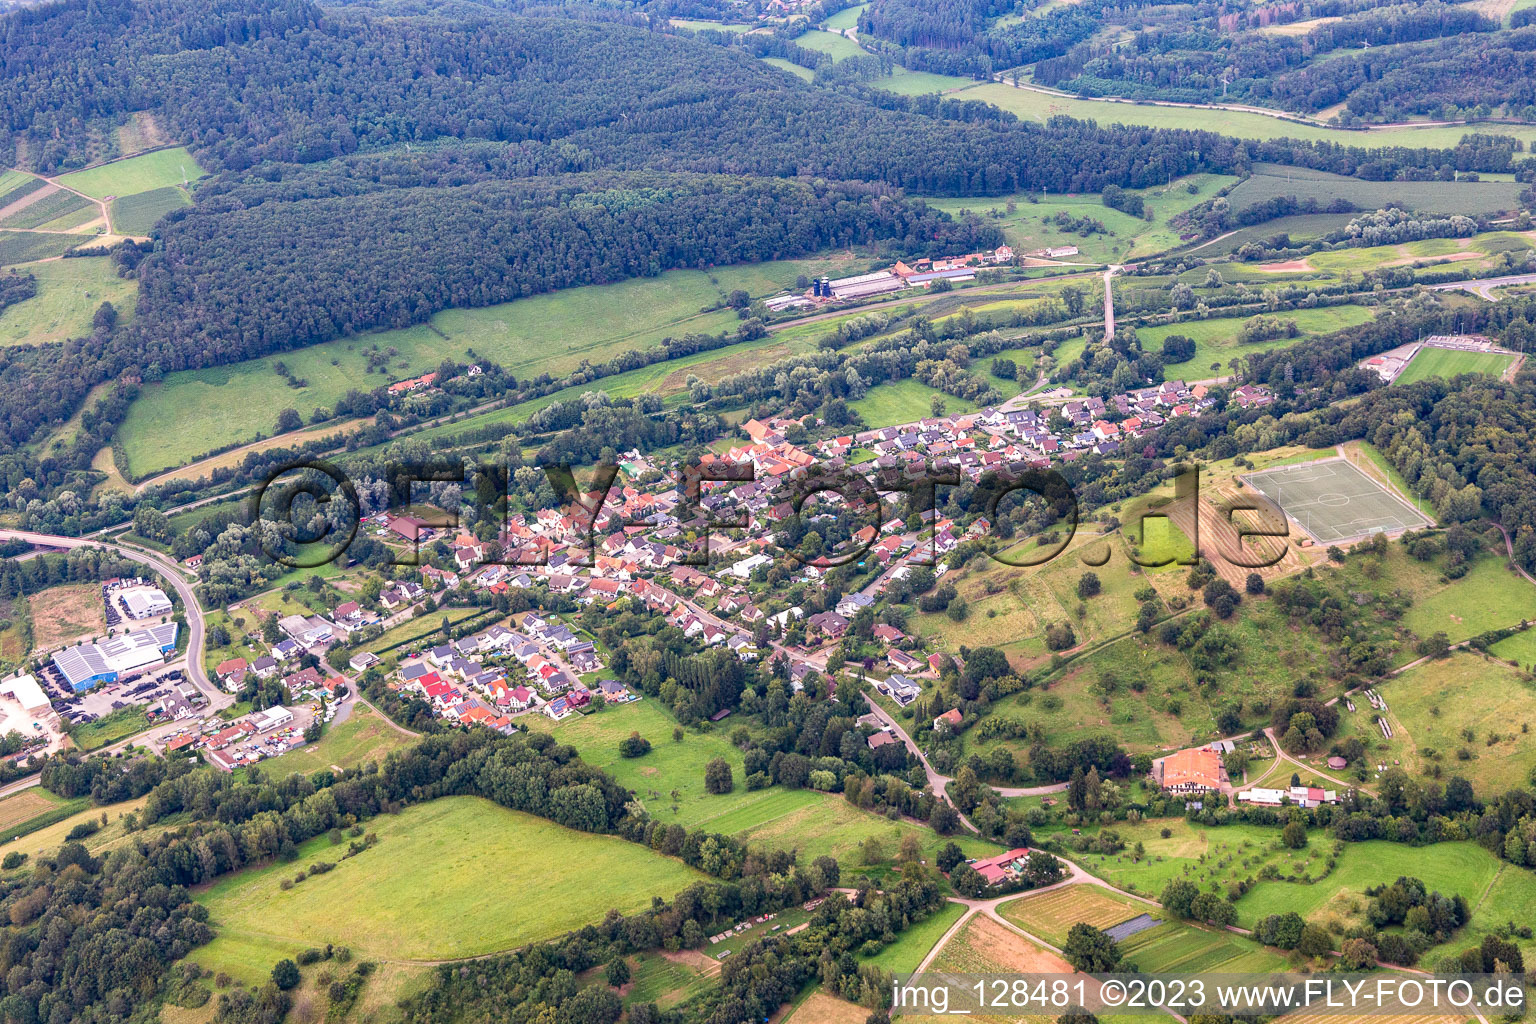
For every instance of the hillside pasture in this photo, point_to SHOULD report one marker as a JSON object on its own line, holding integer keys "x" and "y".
{"x": 426, "y": 883}
{"x": 144, "y": 173}
{"x": 69, "y": 292}
{"x": 835, "y": 44}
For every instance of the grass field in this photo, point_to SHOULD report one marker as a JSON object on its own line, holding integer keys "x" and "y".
{"x": 1028, "y": 225}
{"x": 846, "y": 18}
{"x": 551, "y": 333}
{"x": 917, "y": 83}
{"x": 837, "y": 45}
{"x": 1489, "y": 596}
{"x": 804, "y": 74}
{"x": 904, "y": 401}
{"x": 1051, "y": 915}
{"x": 431, "y": 888}
{"x": 52, "y": 837}
{"x": 1436, "y": 702}
{"x": 137, "y": 214}
{"x": 365, "y": 736}
{"x": 136, "y": 174}
{"x": 119, "y": 725}
{"x": 1444, "y": 362}
{"x": 68, "y": 294}
{"x": 1036, "y": 106}
{"x": 1444, "y": 197}
{"x": 1184, "y": 949}
{"x": 65, "y": 612}
{"x": 1216, "y": 340}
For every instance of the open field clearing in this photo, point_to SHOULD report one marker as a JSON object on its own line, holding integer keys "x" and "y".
{"x": 1490, "y": 596}
{"x": 917, "y": 83}
{"x": 65, "y": 612}
{"x": 137, "y": 214}
{"x": 1442, "y": 197}
{"x": 136, "y": 174}
{"x": 20, "y": 809}
{"x": 1216, "y": 341}
{"x": 847, "y": 18}
{"x": 835, "y": 44}
{"x": 822, "y": 1008}
{"x": 1477, "y": 251}
{"x": 1051, "y": 915}
{"x": 1036, "y": 106}
{"x": 428, "y": 882}
{"x": 69, "y": 292}
{"x": 551, "y": 333}
{"x": 804, "y": 74}
{"x": 700, "y": 25}
{"x": 1447, "y": 363}
{"x": 366, "y": 736}
{"x": 827, "y": 825}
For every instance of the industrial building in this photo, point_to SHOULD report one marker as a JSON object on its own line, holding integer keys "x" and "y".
{"x": 145, "y": 602}
{"x": 274, "y": 717}
{"x": 89, "y": 665}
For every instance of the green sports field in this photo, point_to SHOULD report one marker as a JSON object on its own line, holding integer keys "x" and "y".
{"x": 1334, "y": 501}
{"x": 136, "y": 174}
{"x": 455, "y": 877}
{"x": 1445, "y": 362}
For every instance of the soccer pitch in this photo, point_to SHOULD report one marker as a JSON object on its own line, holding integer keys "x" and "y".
{"x": 1333, "y": 501}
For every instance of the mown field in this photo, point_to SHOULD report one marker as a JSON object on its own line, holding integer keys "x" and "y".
{"x": 1447, "y": 363}
{"x": 69, "y": 292}
{"x": 1036, "y": 106}
{"x": 905, "y": 401}
{"x": 454, "y": 877}
{"x": 1443, "y": 197}
{"x": 551, "y": 333}
{"x": 136, "y": 174}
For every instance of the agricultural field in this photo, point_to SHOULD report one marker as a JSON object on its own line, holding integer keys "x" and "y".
{"x": 1447, "y": 363}
{"x": 65, "y": 612}
{"x": 1441, "y": 197}
{"x": 26, "y": 247}
{"x": 69, "y": 292}
{"x": 1184, "y": 949}
{"x": 166, "y": 427}
{"x": 845, "y": 19}
{"x": 427, "y": 880}
{"x": 136, "y": 174}
{"x": 33, "y": 808}
{"x": 52, "y": 836}
{"x": 1038, "y": 106}
{"x": 137, "y": 214}
{"x": 1479, "y": 252}
{"x": 1050, "y": 915}
{"x": 55, "y": 205}
{"x": 366, "y": 736}
{"x": 1216, "y": 340}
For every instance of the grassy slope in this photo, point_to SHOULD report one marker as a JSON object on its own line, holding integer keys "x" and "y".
{"x": 364, "y": 737}
{"x": 422, "y": 892}
{"x": 1216, "y": 340}
{"x": 168, "y": 426}
{"x": 905, "y": 401}
{"x": 68, "y": 294}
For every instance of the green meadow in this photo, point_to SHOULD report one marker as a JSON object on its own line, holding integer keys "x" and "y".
{"x": 136, "y": 174}
{"x": 68, "y": 294}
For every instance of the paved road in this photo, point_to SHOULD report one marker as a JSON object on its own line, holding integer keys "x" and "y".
{"x": 1109, "y": 302}
{"x": 1483, "y": 286}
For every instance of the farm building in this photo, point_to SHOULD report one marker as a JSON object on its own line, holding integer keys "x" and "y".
{"x": 1192, "y": 771}
{"x": 1003, "y": 866}
{"x": 879, "y": 282}
{"x": 87, "y": 665}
